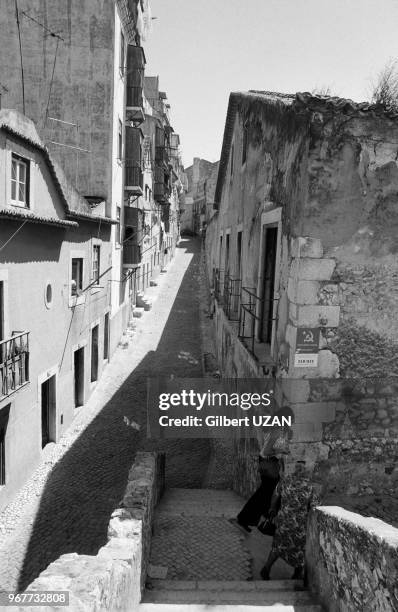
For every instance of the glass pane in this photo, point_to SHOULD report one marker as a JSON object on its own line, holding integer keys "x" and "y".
{"x": 13, "y": 190}
{"x": 22, "y": 172}
{"x": 21, "y": 193}
{"x": 13, "y": 169}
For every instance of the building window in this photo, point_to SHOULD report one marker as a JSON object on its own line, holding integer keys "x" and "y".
{"x": 96, "y": 264}
{"x": 19, "y": 181}
{"x": 122, "y": 53}
{"x": 77, "y": 276}
{"x": 120, "y": 141}
{"x": 48, "y": 295}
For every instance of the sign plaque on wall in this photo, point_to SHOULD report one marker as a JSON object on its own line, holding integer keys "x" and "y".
{"x": 307, "y": 347}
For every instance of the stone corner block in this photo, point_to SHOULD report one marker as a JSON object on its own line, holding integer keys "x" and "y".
{"x": 312, "y": 269}
{"x": 305, "y": 246}
{"x": 303, "y": 292}
{"x": 316, "y": 316}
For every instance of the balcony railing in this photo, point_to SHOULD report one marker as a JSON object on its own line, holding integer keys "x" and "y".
{"x": 14, "y": 363}
{"x": 133, "y": 177}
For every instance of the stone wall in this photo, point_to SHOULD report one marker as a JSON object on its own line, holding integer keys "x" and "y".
{"x": 352, "y": 561}
{"x": 114, "y": 578}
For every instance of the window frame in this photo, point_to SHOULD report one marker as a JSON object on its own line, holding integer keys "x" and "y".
{"x": 20, "y": 161}
{"x": 78, "y": 298}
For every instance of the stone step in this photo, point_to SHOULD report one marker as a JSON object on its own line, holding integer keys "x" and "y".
{"x": 229, "y": 597}
{"x": 200, "y": 502}
{"x": 138, "y": 312}
{"x": 225, "y": 585}
{"x": 278, "y": 607}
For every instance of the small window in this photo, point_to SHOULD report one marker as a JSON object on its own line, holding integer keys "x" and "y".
{"x": 19, "y": 181}
{"x": 120, "y": 141}
{"x": 48, "y": 295}
{"x": 77, "y": 276}
{"x": 122, "y": 53}
{"x": 96, "y": 263}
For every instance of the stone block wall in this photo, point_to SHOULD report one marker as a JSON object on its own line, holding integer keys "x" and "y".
{"x": 352, "y": 561}
{"x": 114, "y": 578}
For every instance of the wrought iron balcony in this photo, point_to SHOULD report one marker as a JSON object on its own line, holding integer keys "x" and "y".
{"x": 133, "y": 177}
{"x": 14, "y": 363}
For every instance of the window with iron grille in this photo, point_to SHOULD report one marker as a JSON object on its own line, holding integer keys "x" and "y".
{"x": 96, "y": 263}
{"x": 20, "y": 181}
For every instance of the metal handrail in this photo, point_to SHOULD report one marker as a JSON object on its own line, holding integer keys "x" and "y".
{"x": 232, "y": 297}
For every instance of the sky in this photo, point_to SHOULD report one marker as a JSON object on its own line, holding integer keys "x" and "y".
{"x": 204, "y": 49}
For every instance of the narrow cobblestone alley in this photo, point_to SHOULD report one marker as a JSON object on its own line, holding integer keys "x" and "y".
{"x": 67, "y": 504}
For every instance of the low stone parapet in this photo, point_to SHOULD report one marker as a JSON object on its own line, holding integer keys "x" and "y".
{"x": 114, "y": 578}
{"x": 352, "y": 561}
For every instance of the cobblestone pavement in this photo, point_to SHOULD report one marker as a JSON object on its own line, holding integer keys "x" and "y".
{"x": 193, "y": 538}
{"x": 65, "y": 507}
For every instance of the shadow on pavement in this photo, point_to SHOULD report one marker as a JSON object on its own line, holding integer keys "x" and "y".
{"x": 88, "y": 482}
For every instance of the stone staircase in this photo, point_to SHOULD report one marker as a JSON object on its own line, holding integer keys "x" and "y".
{"x": 209, "y": 565}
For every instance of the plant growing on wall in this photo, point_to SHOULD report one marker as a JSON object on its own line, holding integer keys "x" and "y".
{"x": 385, "y": 89}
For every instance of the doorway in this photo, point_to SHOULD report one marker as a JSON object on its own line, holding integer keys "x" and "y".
{"x": 106, "y": 335}
{"x": 48, "y": 411}
{"x": 94, "y": 354}
{"x": 270, "y": 240}
{"x": 79, "y": 376}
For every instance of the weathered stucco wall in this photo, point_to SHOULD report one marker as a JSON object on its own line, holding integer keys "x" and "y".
{"x": 352, "y": 561}
{"x": 81, "y": 89}
{"x": 114, "y": 578}
{"x": 331, "y": 169}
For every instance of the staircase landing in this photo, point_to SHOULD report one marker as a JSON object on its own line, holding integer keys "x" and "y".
{"x": 210, "y": 562}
